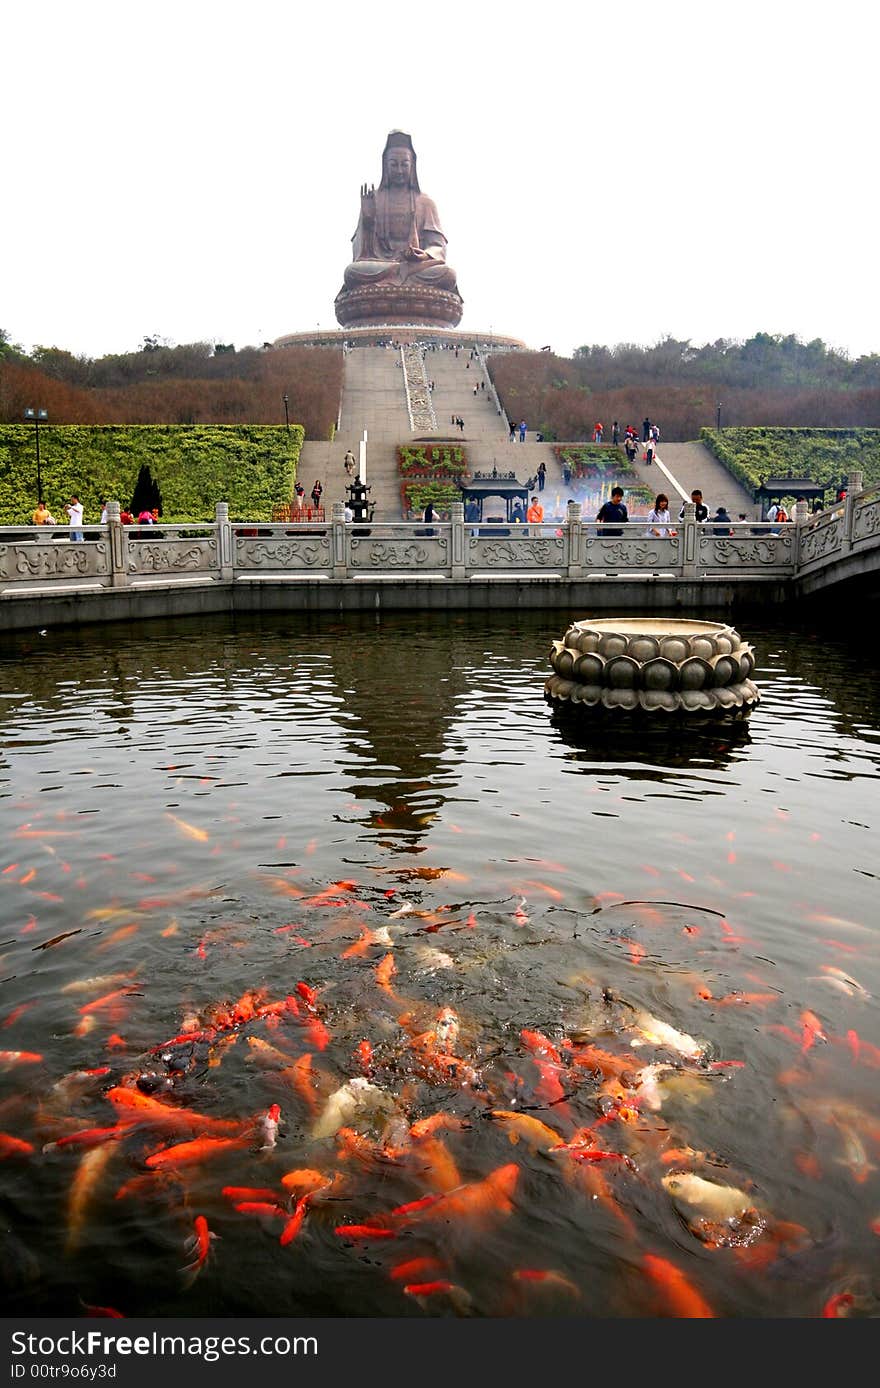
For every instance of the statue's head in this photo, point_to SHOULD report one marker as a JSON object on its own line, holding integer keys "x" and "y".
{"x": 399, "y": 163}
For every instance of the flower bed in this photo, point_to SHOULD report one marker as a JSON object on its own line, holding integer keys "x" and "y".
{"x": 431, "y": 460}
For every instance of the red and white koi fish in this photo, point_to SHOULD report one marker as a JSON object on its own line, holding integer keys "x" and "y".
{"x": 267, "y": 1128}
{"x": 20, "y": 1057}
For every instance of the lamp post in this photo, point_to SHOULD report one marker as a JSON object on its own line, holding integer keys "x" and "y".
{"x": 718, "y": 415}
{"x": 39, "y": 417}
{"x": 286, "y": 414}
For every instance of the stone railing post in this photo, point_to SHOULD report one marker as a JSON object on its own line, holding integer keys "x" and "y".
{"x": 689, "y": 531}
{"x": 575, "y": 540}
{"x": 339, "y": 540}
{"x": 457, "y": 538}
{"x": 224, "y": 541}
{"x": 855, "y": 484}
{"x": 801, "y": 512}
{"x": 118, "y": 545}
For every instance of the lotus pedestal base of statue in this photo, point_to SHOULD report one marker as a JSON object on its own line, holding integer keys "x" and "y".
{"x": 646, "y": 664}
{"x": 378, "y": 305}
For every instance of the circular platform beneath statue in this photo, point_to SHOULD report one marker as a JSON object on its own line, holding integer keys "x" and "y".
{"x": 374, "y": 305}
{"x": 652, "y": 665}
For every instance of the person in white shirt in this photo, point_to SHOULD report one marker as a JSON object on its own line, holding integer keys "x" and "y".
{"x": 75, "y": 512}
{"x": 349, "y": 513}
{"x": 659, "y": 520}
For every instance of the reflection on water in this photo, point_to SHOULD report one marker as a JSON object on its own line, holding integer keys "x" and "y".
{"x": 561, "y": 1018}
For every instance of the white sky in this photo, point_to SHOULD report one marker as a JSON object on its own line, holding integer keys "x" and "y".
{"x": 604, "y": 172}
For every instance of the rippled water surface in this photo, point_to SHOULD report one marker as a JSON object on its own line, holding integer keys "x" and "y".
{"x": 658, "y": 942}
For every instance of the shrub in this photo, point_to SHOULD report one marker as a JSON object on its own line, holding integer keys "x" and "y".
{"x": 416, "y": 495}
{"x": 595, "y": 462}
{"x": 824, "y": 455}
{"x": 248, "y": 466}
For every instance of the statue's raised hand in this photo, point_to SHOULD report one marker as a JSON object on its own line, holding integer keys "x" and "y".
{"x": 368, "y": 205}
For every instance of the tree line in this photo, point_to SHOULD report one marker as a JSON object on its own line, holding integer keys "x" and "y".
{"x": 196, "y": 383}
{"x": 768, "y": 380}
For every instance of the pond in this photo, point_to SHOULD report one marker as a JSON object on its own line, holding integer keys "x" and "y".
{"x": 559, "y": 1018}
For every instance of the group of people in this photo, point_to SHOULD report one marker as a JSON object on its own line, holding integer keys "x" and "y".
{"x": 613, "y": 514}
{"x": 74, "y": 508}
{"x": 317, "y": 491}
{"x": 513, "y": 431}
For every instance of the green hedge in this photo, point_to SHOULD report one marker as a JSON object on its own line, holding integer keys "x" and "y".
{"x": 431, "y": 460}
{"x": 416, "y": 495}
{"x": 824, "y": 455}
{"x": 598, "y": 462}
{"x": 249, "y": 466}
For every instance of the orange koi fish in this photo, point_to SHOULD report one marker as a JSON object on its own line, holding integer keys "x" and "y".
{"x": 296, "y": 1220}
{"x": 682, "y": 1298}
{"x": 440, "y": 1170}
{"x": 124, "y": 932}
{"x": 88, "y": 1138}
{"x": 636, "y": 951}
{"x": 190, "y": 830}
{"x": 304, "y": 1180}
{"x": 546, "y": 1277}
{"x": 385, "y": 971}
{"x": 88, "y": 1174}
{"x": 415, "y": 1269}
{"x": 145, "y": 1109}
{"x": 460, "y": 1299}
{"x": 364, "y": 1055}
{"x": 192, "y": 1153}
{"x": 261, "y": 1207}
{"x": 425, "y": 1127}
{"x": 107, "y": 1312}
{"x": 303, "y": 1080}
{"x": 522, "y": 1126}
{"x": 811, "y": 1031}
{"x": 16, "y": 1012}
{"x": 199, "y": 1243}
{"x": 106, "y": 1001}
{"x": 14, "y": 1146}
{"x": 479, "y": 1199}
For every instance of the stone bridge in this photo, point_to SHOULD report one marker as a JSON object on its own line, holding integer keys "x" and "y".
{"x": 46, "y": 577}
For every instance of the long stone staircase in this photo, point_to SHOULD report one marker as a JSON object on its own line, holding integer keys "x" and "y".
{"x": 374, "y": 398}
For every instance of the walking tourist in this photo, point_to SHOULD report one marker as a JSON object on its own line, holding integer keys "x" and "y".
{"x": 541, "y": 475}
{"x": 615, "y": 433}
{"x": 722, "y": 522}
{"x": 649, "y": 451}
{"x": 613, "y": 511}
{"x": 598, "y": 432}
{"x": 512, "y": 432}
{"x": 522, "y": 431}
{"x": 350, "y": 463}
{"x": 300, "y": 492}
{"x": 317, "y": 492}
{"x": 646, "y": 429}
